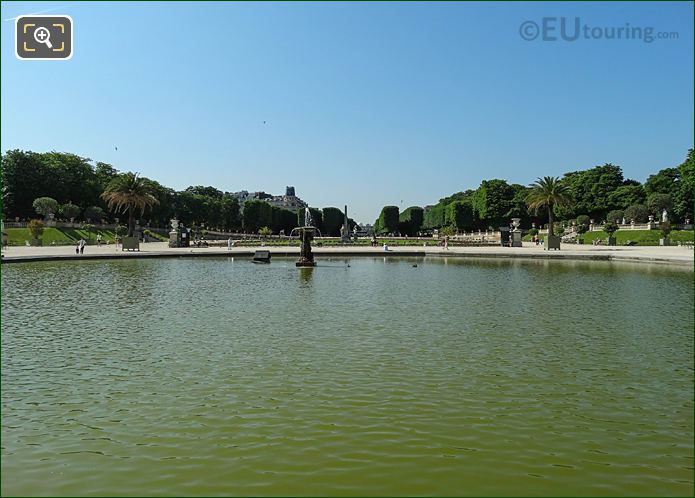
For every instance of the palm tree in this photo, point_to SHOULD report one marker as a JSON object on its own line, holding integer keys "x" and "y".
{"x": 548, "y": 192}
{"x": 126, "y": 193}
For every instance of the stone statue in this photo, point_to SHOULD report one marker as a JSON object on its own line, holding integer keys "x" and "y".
{"x": 664, "y": 216}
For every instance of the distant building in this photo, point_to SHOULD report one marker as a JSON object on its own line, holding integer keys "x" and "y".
{"x": 365, "y": 230}
{"x": 288, "y": 201}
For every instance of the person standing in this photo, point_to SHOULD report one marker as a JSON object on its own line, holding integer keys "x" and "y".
{"x": 230, "y": 243}
{"x": 98, "y": 239}
{"x": 82, "y": 243}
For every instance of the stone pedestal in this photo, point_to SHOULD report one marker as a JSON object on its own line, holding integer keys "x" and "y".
{"x": 516, "y": 238}
{"x": 173, "y": 238}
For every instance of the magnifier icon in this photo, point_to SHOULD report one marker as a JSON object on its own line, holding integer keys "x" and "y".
{"x": 42, "y": 35}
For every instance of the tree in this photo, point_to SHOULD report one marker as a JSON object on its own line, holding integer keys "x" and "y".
{"x": 24, "y": 178}
{"x": 36, "y": 228}
{"x": 388, "y": 219}
{"x": 625, "y": 196}
{"x": 94, "y": 214}
{"x": 230, "y": 213}
{"x": 69, "y": 211}
{"x": 493, "y": 200}
{"x": 658, "y": 202}
{"x": 45, "y": 206}
{"x": 205, "y": 191}
{"x": 410, "y": 220}
{"x": 548, "y": 192}
{"x": 434, "y": 216}
{"x": 332, "y": 221}
{"x": 616, "y": 216}
{"x": 662, "y": 182}
{"x": 518, "y": 204}
{"x": 590, "y": 191}
{"x": 637, "y": 212}
{"x": 283, "y": 219}
{"x": 256, "y": 215}
{"x": 683, "y": 194}
{"x": 104, "y": 173}
{"x": 460, "y": 215}
{"x": 127, "y": 193}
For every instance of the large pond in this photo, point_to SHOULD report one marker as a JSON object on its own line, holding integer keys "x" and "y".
{"x": 455, "y": 377}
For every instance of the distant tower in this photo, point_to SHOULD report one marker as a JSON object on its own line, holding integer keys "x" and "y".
{"x": 289, "y": 191}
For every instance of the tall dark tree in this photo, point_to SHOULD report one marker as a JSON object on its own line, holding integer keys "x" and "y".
{"x": 388, "y": 220}
{"x": 683, "y": 193}
{"x": 410, "y": 220}
{"x": 460, "y": 215}
{"x": 332, "y": 221}
{"x": 257, "y": 214}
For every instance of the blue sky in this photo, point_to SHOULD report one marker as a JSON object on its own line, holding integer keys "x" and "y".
{"x": 365, "y": 104}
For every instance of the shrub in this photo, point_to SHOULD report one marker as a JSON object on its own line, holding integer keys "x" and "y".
{"x": 665, "y": 227}
{"x": 45, "y": 206}
{"x": 121, "y": 231}
{"x": 637, "y": 212}
{"x": 36, "y": 228}
{"x": 583, "y": 223}
{"x": 447, "y": 230}
{"x": 658, "y": 202}
{"x": 265, "y": 231}
{"x": 616, "y": 214}
{"x": 533, "y": 231}
{"x": 69, "y": 211}
{"x": 610, "y": 227}
{"x": 94, "y": 214}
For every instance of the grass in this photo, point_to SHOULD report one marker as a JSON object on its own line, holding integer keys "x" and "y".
{"x": 641, "y": 237}
{"x": 58, "y": 236}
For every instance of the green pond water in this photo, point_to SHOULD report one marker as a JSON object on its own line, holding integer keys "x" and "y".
{"x": 457, "y": 377}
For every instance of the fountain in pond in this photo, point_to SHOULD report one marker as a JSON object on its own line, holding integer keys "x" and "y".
{"x": 306, "y": 235}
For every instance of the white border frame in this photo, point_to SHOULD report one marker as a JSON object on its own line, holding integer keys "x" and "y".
{"x": 72, "y": 34}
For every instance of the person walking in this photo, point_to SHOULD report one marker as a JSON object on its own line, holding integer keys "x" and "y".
{"x": 77, "y": 248}
{"x": 82, "y": 243}
{"x": 98, "y": 239}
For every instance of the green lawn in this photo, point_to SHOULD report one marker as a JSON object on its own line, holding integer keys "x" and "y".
{"x": 641, "y": 237}
{"x": 59, "y": 236}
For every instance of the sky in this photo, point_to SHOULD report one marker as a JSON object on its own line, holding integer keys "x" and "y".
{"x": 364, "y": 104}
